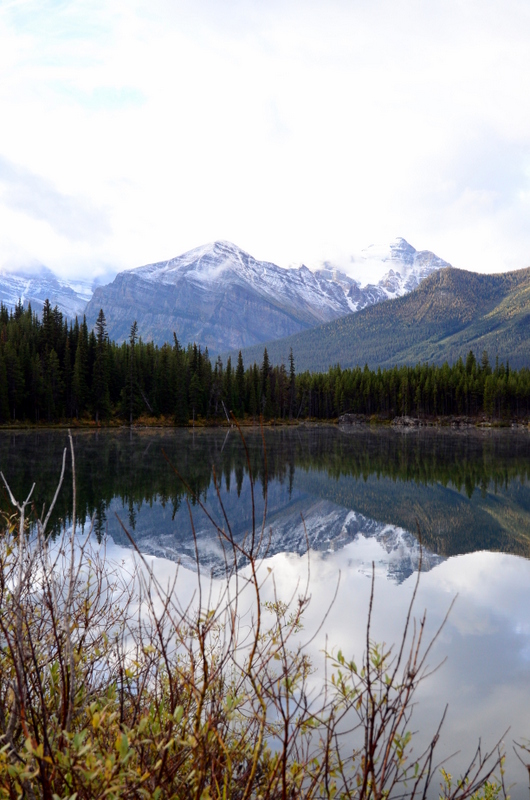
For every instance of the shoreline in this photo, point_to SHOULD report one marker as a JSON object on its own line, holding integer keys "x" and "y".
{"x": 449, "y": 421}
{"x": 343, "y": 421}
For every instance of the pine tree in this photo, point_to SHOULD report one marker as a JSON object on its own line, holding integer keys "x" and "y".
{"x": 132, "y": 342}
{"x": 216, "y": 388}
{"x": 486, "y": 368}
{"x": 53, "y": 385}
{"x": 254, "y": 391}
{"x": 196, "y": 395}
{"x": 265, "y": 370}
{"x": 470, "y": 362}
{"x": 4, "y": 400}
{"x": 228, "y": 388}
{"x": 165, "y": 388}
{"x": 47, "y": 326}
{"x": 205, "y": 374}
{"x": 36, "y": 379}
{"x": 181, "y": 394}
{"x": 292, "y": 384}
{"x": 15, "y": 379}
{"x": 80, "y": 376}
{"x": 68, "y": 375}
{"x": 100, "y": 374}
{"x": 265, "y": 398}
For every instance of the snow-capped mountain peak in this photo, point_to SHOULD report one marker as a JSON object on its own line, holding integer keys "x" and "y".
{"x": 224, "y": 262}
{"x": 400, "y": 257}
{"x": 206, "y": 262}
{"x": 220, "y": 296}
{"x": 398, "y": 250}
{"x": 402, "y": 268}
{"x": 33, "y": 285}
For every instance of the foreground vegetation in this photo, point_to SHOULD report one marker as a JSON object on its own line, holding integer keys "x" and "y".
{"x": 115, "y": 686}
{"x": 50, "y": 371}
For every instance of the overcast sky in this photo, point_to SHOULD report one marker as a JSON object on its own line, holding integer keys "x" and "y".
{"x": 302, "y": 131}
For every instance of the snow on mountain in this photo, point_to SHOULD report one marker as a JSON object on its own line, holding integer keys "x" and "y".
{"x": 223, "y": 261}
{"x": 221, "y": 297}
{"x": 325, "y": 288}
{"x": 34, "y": 286}
{"x": 218, "y": 296}
{"x": 408, "y": 267}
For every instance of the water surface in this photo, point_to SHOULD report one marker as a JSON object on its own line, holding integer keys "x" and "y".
{"x": 355, "y": 498}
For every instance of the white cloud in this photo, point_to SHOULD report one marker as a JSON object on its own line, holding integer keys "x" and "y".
{"x": 299, "y": 131}
{"x": 70, "y": 217}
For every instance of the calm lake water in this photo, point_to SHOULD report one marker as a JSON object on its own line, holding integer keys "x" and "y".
{"x": 356, "y": 497}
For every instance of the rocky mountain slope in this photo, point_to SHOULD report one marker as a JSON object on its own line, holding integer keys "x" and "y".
{"x": 221, "y": 297}
{"x": 35, "y": 286}
{"x": 451, "y": 312}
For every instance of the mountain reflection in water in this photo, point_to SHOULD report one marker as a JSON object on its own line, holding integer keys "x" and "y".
{"x": 295, "y": 523}
{"x": 464, "y": 491}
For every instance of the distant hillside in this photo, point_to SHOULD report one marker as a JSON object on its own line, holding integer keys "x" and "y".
{"x": 451, "y": 312}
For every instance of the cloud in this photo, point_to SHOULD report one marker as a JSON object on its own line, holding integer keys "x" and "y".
{"x": 102, "y": 98}
{"x": 299, "y": 130}
{"x": 72, "y": 217}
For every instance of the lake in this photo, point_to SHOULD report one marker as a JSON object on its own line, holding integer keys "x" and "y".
{"x": 360, "y": 499}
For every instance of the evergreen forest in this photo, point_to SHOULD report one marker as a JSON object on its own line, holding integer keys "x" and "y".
{"x": 53, "y": 371}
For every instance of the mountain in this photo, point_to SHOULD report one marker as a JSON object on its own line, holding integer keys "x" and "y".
{"x": 34, "y": 286}
{"x": 451, "y": 312}
{"x": 221, "y": 297}
{"x": 218, "y": 296}
{"x": 407, "y": 268}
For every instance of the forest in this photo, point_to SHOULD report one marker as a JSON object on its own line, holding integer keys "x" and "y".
{"x": 53, "y": 371}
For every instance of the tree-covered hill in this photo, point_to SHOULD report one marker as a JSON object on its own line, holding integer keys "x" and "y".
{"x": 451, "y": 312}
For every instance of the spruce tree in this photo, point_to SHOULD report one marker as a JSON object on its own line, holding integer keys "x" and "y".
{"x": 15, "y": 379}
{"x": 67, "y": 379}
{"x": 228, "y": 386}
{"x": 265, "y": 397}
{"x": 4, "y": 400}
{"x": 240, "y": 386}
{"x": 132, "y": 342}
{"x": 181, "y": 382}
{"x": 100, "y": 373}
{"x": 80, "y": 376}
{"x": 196, "y": 395}
{"x": 53, "y": 386}
{"x": 265, "y": 370}
{"x": 292, "y": 384}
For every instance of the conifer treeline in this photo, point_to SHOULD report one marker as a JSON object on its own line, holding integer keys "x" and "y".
{"x": 50, "y": 370}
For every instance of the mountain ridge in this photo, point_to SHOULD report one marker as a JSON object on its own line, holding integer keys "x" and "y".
{"x": 451, "y": 312}
{"x": 220, "y": 296}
